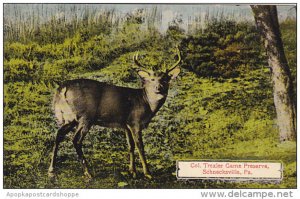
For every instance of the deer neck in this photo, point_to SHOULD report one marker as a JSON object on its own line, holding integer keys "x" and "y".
{"x": 155, "y": 100}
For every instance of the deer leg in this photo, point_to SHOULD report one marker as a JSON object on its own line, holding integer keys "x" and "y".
{"x": 81, "y": 132}
{"x": 131, "y": 147}
{"x": 61, "y": 133}
{"x": 137, "y": 137}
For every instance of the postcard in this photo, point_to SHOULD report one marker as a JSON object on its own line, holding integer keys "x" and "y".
{"x": 149, "y": 96}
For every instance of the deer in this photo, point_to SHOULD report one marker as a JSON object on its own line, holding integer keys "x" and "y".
{"x": 81, "y": 103}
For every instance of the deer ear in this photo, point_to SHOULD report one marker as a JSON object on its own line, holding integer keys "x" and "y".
{"x": 174, "y": 72}
{"x": 143, "y": 74}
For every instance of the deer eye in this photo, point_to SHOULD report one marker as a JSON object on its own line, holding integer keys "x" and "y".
{"x": 152, "y": 79}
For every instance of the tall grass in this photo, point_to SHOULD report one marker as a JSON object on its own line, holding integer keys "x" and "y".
{"x": 25, "y": 22}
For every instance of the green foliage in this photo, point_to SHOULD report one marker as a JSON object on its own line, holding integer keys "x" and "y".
{"x": 224, "y": 49}
{"x": 231, "y": 117}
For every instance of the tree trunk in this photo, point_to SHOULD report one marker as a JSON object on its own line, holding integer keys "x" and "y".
{"x": 267, "y": 23}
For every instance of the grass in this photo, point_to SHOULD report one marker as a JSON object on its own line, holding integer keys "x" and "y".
{"x": 202, "y": 119}
{"x": 116, "y": 176}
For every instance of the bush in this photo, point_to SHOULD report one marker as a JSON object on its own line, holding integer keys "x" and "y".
{"x": 20, "y": 70}
{"x": 224, "y": 49}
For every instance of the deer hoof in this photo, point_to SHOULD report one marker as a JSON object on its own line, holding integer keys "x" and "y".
{"x": 88, "y": 175}
{"x": 51, "y": 175}
{"x": 133, "y": 174}
{"x": 148, "y": 176}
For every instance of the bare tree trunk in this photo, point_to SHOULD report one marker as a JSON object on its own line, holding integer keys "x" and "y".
{"x": 267, "y": 22}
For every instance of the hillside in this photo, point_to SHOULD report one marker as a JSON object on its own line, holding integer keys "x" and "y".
{"x": 221, "y": 106}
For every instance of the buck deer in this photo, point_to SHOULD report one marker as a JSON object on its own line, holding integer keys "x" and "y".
{"x": 82, "y": 103}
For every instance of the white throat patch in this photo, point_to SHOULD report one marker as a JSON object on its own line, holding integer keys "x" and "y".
{"x": 154, "y": 99}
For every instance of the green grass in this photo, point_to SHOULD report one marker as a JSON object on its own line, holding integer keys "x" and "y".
{"x": 230, "y": 118}
{"x": 203, "y": 118}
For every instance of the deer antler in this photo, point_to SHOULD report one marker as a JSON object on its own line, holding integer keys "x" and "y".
{"x": 135, "y": 59}
{"x": 179, "y": 59}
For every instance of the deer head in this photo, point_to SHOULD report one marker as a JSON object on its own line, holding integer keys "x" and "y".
{"x": 156, "y": 83}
